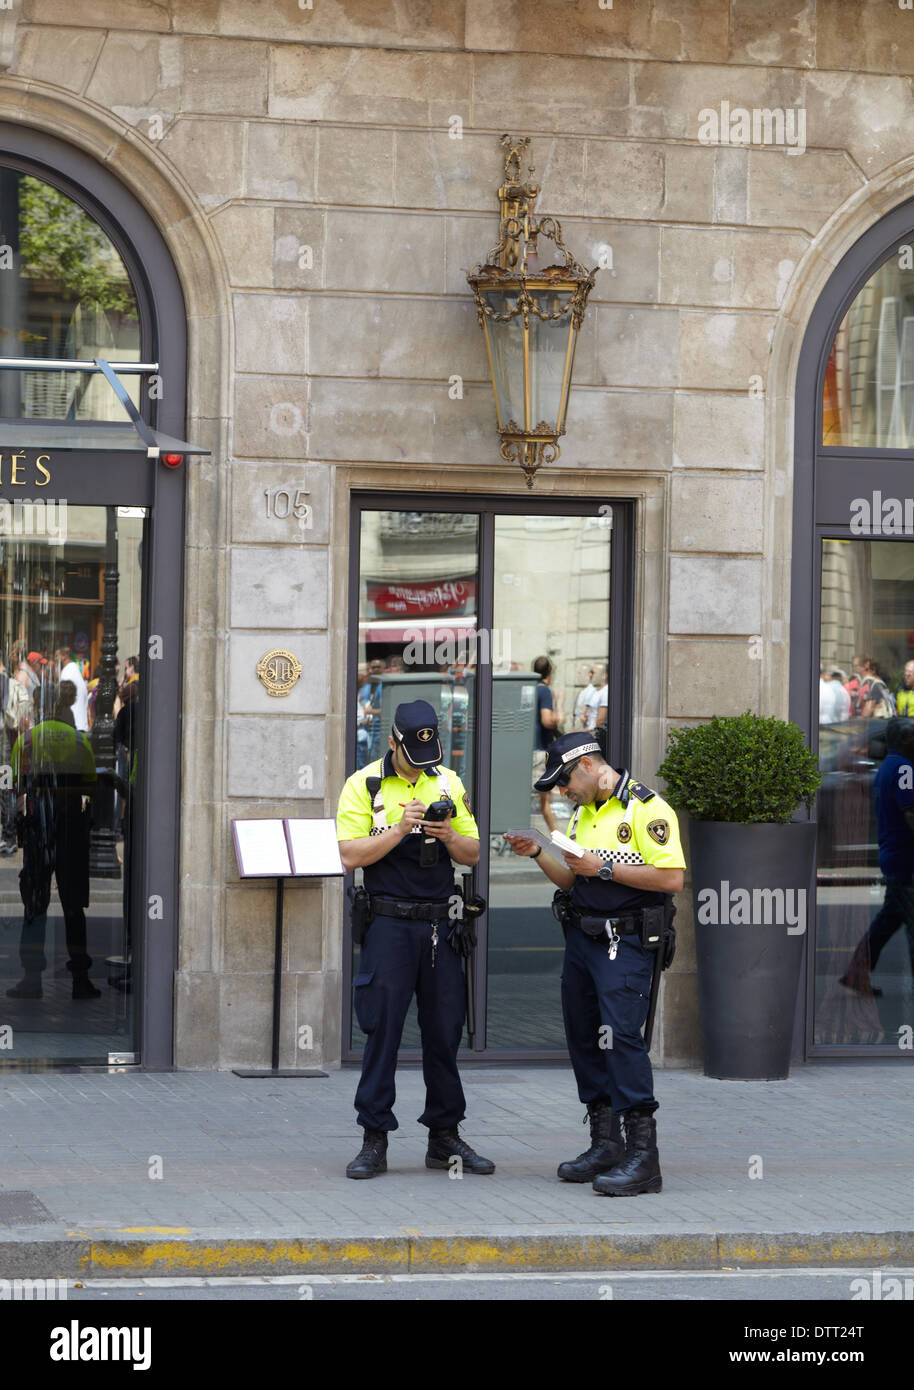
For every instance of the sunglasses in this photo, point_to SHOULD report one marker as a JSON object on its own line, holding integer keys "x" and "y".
{"x": 565, "y": 778}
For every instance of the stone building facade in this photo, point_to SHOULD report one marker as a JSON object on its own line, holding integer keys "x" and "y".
{"x": 323, "y": 178}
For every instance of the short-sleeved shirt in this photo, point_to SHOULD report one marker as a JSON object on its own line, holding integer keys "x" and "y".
{"x": 634, "y": 826}
{"x": 57, "y": 753}
{"x": 893, "y": 789}
{"x": 582, "y": 702}
{"x": 399, "y": 874}
{"x": 904, "y": 702}
{"x": 544, "y": 736}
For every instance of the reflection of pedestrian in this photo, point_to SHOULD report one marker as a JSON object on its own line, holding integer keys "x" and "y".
{"x": 70, "y": 671}
{"x": 834, "y": 701}
{"x": 904, "y": 700}
{"x": 842, "y": 700}
{"x": 370, "y": 698}
{"x": 549, "y": 714}
{"x": 581, "y": 712}
{"x": 362, "y": 736}
{"x": 893, "y": 789}
{"x": 126, "y": 743}
{"x": 873, "y": 693}
{"x": 7, "y": 795}
{"x": 54, "y": 768}
{"x": 600, "y": 708}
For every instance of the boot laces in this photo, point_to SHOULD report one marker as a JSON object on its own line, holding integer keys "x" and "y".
{"x": 372, "y": 1142}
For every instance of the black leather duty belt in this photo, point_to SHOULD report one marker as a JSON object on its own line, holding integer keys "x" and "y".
{"x": 410, "y": 910}
{"x": 596, "y": 925}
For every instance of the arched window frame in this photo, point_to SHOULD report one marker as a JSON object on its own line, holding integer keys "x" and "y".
{"x": 163, "y": 337}
{"x": 823, "y": 475}
{"x": 825, "y": 478}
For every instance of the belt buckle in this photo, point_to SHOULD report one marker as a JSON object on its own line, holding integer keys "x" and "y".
{"x": 403, "y": 911}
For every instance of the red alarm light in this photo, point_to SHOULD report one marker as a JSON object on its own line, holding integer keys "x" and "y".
{"x": 172, "y": 460}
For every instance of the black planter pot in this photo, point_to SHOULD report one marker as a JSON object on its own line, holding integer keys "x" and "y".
{"x": 750, "y": 889}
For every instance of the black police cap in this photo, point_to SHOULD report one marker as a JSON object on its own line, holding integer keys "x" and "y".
{"x": 567, "y": 748}
{"x": 416, "y": 730}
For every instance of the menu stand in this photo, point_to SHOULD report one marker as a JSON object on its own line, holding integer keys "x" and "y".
{"x": 282, "y": 849}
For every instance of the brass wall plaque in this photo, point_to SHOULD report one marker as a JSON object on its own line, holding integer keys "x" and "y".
{"x": 278, "y": 671}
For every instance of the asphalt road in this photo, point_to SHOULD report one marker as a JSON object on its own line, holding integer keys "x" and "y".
{"x": 681, "y": 1286}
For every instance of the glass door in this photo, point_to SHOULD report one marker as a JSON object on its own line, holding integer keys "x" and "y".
{"x": 493, "y": 612}
{"x": 418, "y": 590}
{"x": 551, "y": 614}
{"x": 864, "y": 956}
{"x": 70, "y": 698}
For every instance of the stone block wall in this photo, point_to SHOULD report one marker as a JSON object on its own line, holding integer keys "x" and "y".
{"x": 322, "y": 219}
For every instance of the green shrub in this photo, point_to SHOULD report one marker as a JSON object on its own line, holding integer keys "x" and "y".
{"x": 744, "y": 768}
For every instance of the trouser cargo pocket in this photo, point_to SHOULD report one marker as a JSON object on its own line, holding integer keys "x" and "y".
{"x": 366, "y": 1001}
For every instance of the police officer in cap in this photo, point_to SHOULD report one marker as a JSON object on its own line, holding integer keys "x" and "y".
{"x": 409, "y": 878}
{"x": 633, "y": 859}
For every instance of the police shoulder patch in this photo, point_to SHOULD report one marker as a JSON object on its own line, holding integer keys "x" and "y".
{"x": 624, "y": 831}
{"x": 640, "y": 791}
{"x": 659, "y": 830}
{"x": 466, "y": 802}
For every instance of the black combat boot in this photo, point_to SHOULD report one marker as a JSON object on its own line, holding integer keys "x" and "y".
{"x": 371, "y": 1157}
{"x": 82, "y": 987}
{"x": 606, "y": 1146}
{"x": 29, "y": 987}
{"x": 639, "y": 1170}
{"x": 444, "y": 1145}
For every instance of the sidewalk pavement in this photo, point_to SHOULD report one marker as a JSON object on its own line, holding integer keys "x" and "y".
{"x": 252, "y": 1176}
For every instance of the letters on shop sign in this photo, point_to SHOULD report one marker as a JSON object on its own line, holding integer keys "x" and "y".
{"x": 16, "y": 470}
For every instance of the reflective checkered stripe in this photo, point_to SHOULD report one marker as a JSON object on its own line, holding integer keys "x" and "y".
{"x": 638, "y": 828}
{"x": 379, "y": 814}
{"x": 618, "y": 856}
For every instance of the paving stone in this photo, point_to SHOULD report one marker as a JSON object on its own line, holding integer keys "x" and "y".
{"x": 242, "y": 1157}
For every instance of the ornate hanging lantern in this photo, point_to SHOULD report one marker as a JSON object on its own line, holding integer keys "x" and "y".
{"x": 530, "y": 317}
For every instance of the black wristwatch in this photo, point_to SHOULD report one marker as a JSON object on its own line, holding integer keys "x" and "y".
{"x": 606, "y": 872}
{"x": 538, "y": 853}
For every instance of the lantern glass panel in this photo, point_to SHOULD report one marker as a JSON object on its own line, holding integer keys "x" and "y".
{"x": 548, "y": 355}
{"x": 506, "y": 342}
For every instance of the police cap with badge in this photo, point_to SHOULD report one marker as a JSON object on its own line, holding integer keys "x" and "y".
{"x": 563, "y": 754}
{"x": 415, "y": 728}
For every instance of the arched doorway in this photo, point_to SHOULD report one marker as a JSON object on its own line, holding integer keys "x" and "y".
{"x": 91, "y": 529}
{"x": 852, "y": 639}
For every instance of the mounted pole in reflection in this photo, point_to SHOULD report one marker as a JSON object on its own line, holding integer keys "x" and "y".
{"x": 103, "y": 860}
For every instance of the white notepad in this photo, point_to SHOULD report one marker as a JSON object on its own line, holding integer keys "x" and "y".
{"x": 554, "y": 847}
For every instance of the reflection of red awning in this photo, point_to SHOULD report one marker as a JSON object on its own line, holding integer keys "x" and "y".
{"x": 461, "y": 629}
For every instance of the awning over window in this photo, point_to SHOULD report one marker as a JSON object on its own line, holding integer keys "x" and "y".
{"x": 95, "y": 435}
{"x": 133, "y": 435}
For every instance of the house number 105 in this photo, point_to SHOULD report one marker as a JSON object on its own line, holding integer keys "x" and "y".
{"x": 281, "y": 503}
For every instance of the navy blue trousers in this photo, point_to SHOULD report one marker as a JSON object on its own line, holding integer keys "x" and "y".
{"x": 897, "y": 911}
{"x": 605, "y": 1005}
{"x": 395, "y": 964}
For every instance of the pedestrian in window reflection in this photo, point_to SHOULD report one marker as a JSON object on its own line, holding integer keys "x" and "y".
{"x": 7, "y": 795}
{"x": 370, "y": 697}
{"x": 126, "y": 746}
{"x": 53, "y": 770}
{"x": 549, "y": 715}
{"x": 893, "y": 789}
{"x": 904, "y": 699}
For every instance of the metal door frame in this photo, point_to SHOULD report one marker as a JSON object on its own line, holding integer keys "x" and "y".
{"x": 620, "y": 641}
{"x": 131, "y": 479}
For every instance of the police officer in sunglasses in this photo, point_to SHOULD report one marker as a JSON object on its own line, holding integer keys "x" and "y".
{"x": 609, "y": 909}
